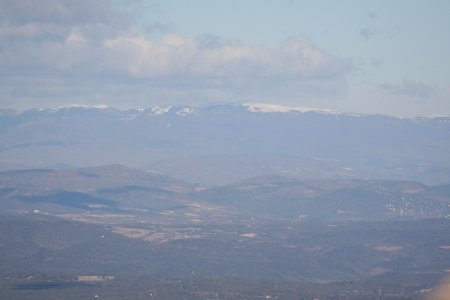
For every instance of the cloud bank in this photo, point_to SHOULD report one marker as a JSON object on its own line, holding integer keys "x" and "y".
{"x": 94, "y": 51}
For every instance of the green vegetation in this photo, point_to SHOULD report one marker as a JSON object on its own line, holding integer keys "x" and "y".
{"x": 267, "y": 237}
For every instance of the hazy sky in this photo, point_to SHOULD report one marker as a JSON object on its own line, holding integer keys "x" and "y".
{"x": 387, "y": 57}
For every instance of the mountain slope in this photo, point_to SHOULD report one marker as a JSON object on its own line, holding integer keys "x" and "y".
{"x": 184, "y": 141}
{"x": 279, "y": 197}
{"x": 119, "y": 194}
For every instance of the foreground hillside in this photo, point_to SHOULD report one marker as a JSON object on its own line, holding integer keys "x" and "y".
{"x": 350, "y": 237}
{"x": 120, "y": 193}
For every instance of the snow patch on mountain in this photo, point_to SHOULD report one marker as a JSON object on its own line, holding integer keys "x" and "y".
{"x": 101, "y": 106}
{"x": 158, "y": 110}
{"x": 271, "y": 108}
{"x": 185, "y": 111}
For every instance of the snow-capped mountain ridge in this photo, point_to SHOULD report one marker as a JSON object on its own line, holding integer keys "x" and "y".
{"x": 271, "y": 108}
{"x": 254, "y": 139}
{"x": 183, "y": 111}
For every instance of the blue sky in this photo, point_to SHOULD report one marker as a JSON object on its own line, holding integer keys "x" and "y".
{"x": 386, "y": 57}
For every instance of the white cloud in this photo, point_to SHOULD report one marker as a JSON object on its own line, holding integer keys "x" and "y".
{"x": 176, "y": 62}
{"x": 92, "y": 43}
{"x": 174, "y": 55}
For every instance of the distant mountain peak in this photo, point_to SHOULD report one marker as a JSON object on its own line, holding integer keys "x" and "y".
{"x": 158, "y": 110}
{"x": 185, "y": 110}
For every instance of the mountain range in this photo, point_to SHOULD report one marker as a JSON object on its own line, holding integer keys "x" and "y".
{"x": 228, "y": 143}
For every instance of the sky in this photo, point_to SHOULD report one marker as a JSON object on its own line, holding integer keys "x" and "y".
{"x": 375, "y": 57}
